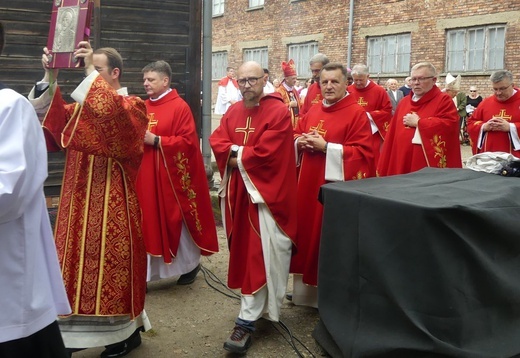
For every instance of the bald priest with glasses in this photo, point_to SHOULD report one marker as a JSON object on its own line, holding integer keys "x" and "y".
{"x": 424, "y": 131}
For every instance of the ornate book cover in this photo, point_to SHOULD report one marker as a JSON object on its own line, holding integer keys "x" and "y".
{"x": 70, "y": 24}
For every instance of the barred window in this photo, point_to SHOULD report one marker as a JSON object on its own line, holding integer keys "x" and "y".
{"x": 259, "y": 55}
{"x": 301, "y": 54}
{"x": 219, "y": 64}
{"x": 475, "y": 49}
{"x": 389, "y": 54}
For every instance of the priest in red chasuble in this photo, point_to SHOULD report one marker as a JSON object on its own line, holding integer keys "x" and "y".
{"x": 424, "y": 131}
{"x": 178, "y": 223}
{"x": 98, "y": 227}
{"x": 494, "y": 125}
{"x": 314, "y": 92}
{"x": 334, "y": 144}
{"x": 254, "y": 151}
{"x": 289, "y": 94}
{"x": 376, "y": 103}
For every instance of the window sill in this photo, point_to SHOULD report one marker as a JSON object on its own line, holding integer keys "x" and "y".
{"x": 255, "y": 8}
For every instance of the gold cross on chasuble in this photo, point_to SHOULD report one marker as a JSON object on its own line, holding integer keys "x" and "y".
{"x": 152, "y": 122}
{"x": 361, "y": 102}
{"x": 502, "y": 115}
{"x": 319, "y": 129}
{"x": 247, "y": 129}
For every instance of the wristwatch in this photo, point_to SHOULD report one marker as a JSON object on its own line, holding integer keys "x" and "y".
{"x": 234, "y": 151}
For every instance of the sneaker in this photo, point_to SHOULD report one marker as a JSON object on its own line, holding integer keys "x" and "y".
{"x": 239, "y": 341}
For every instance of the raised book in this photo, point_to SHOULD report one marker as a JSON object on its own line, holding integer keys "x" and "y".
{"x": 70, "y": 24}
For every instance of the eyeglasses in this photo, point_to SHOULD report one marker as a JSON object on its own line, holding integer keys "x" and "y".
{"x": 420, "y": 79}
{"x": 251, "y": 80}
{"x": 501, "y": 89}
{"x": 472, "y": 91}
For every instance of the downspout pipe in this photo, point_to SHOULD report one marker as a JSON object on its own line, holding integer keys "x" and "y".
{"x": 206, "y": 86}
{"x": 350, "y": 29}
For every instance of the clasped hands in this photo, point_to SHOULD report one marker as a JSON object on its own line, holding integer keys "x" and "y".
{"x": 311, "y": 142}
{"x": 411, "y": 120}
{"x": 496, "y": 124}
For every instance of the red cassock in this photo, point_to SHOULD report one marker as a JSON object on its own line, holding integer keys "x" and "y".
{"x": 172, "y": 186}
{"x": 287, "y": 97}
{"x": 375, "y": 101}
{"x": 268, "y": 155}
{"x": 487, "y": 109}
{"x": 313, "y": 97}
{"x": 439, "y": 132}
{"x": 98, "y": 233}
{"x": 343, "y": 123}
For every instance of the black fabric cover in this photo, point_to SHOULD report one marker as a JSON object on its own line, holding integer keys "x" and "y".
{"x": 421, "y": 265}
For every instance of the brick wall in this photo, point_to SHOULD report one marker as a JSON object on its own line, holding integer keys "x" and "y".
{"x": 328, "y": 21}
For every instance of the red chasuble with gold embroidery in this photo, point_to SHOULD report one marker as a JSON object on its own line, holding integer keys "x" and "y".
{"x": 375, "y": 101}
{"x": 343, "y": 123}
{"x": 287, "y": 97}
{"x": 487, "y": 109}
{"x": 313, "y": 97}
{"x": 98, "y": 232}
{"x": 172, "y": 186}
{"x": 439, "y": 132}
{"x": 266, "y": 133}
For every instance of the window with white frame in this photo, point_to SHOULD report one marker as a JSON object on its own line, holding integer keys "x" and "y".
{"x": 218, "y": 7}
{"x": 256, "y": 3}
{"x": 301, "y": 54}
{"x": 259, "y": 55}
{"x": 475, "y": 49}
{"x": 389, "y": 53}
{"x": 219, "y": 64}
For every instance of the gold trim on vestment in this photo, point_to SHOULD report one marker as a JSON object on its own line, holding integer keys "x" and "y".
{"x": 108, "y": 184}
{"x": 83, "y": 232}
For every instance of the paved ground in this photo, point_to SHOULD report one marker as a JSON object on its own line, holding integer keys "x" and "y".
{"x": 195, "y": 320}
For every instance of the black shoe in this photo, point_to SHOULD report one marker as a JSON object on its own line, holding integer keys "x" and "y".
{"x": 288, "y": 296}
{"x": 189, "y": 278}
{"x": 123, "y": 348}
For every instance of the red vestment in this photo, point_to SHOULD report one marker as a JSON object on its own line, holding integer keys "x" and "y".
{"x": 313, "y": 97}
{"x": 495, "y": 141}
{"x": 343, "y": 123}
{"x": 375, "y": 101}
{"x": 172, "y": 185}
{"x": 439, "y": 133}
{"x": 287, "y": 97}
{"x": 98, "y": 227}
{"x": 265, "y": 132}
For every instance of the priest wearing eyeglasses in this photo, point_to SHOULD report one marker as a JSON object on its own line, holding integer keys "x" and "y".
{"x": 424, "y": 131}
{"x": 494, "y": 125}
{"x": 255, "y": 155}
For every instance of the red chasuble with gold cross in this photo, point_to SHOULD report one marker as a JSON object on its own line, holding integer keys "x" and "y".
{"x": 172, "y": 184}
{"x": 343, "y": 123}
{"x": 439, "y": 134}
{"x": 375, "y": 101}
{"x": 492, "y": 108}
{"x": 98, "y": 227}
{"x": 266, "y": 133}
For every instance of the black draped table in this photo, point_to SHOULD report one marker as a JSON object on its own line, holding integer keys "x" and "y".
{"x": 421, "y": 265}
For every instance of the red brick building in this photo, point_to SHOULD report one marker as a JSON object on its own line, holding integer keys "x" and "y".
{"x": 471, "y": 38}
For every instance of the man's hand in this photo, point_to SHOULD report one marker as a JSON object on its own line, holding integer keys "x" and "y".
{"x": 84, "y": 52}
{"x": 232, "y": 162}
{"x": 149, "y": 138}
{"x": 411, "y": 120}
{"x": 312, "y": 142}
{"x": 496, "y": 124}
{"x": 50, "y": 73}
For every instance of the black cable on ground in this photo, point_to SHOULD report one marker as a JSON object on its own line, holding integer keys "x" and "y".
{"x": 209, "y": 275}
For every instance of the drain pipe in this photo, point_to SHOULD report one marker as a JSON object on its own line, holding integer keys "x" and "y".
{"x": 206, "y": 87}
{"x": 350, "y": 27}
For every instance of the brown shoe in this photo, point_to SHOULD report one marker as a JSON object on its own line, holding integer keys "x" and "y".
{"x": 239, "y": 341}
